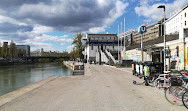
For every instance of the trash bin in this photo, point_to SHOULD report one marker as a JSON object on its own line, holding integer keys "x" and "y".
{"x": 137, "y": 68}
{"x": 146, "y": 71}
{"x": 159, "y": 66}
{"x": 147, "y": 68}
{"x": 141, "y": 68}
{"x": 155, "y": 67}
{"x": 134, "y": 68}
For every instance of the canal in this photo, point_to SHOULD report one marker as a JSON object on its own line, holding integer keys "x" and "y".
{"x": 13, "y": 77}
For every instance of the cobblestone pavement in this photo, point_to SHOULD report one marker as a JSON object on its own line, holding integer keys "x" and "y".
{"x": 107, "y": 89}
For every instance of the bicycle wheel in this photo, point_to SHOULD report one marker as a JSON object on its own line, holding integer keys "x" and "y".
{"x": 173, "y": 94}
{"x": 150, "y": 81}
{"x": 161, "y": 84}
{"x": 185, "y": 99}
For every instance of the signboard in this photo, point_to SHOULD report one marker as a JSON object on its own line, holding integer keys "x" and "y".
{"x": 141, "y": 29}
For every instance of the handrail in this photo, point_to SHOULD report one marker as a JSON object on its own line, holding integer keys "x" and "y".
{"x": 110, "y": 55}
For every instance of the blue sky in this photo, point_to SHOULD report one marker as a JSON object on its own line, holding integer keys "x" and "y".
{"x": 52, "y": 24}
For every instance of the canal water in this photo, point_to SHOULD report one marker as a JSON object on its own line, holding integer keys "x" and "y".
{"x": 13, "y": 77}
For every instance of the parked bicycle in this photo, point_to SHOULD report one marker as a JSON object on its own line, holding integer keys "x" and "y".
{"x": 178, "y": 86}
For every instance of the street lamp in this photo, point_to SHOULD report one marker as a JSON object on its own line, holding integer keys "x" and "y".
{"x": 163, "y": 6}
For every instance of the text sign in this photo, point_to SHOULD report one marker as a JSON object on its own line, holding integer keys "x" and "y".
{"x": 141, "y": 29}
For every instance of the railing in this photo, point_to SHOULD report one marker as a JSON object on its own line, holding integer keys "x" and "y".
{"x": 103, "y": 57}
{"x": 110, "y": 55}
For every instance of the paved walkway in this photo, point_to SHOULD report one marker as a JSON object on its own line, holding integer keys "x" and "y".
{"x": 107, "y": 89}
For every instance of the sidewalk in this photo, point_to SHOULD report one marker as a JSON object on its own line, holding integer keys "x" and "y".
{"x": 106, "y": 89}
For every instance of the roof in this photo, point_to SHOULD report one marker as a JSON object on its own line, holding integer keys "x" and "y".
{"x": 101, "y": 35}
{"x": 154, "y": 41}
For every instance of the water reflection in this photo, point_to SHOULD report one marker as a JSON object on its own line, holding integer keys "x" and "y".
{"x": 13, "y": 77}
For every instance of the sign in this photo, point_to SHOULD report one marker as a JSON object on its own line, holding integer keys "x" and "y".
{"x": 141, "y": 29}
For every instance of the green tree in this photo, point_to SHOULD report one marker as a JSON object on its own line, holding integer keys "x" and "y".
{"x": 4, "y": 51}
{"x": 1, "y": 52}
{"x": 12, "y": 49}
{"x": 72, "y": 54}
{"x": 77, "y": 42}
{"x": 21, "y": 52}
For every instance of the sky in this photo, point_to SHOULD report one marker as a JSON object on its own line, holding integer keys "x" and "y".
{"x": 52, "y": 24}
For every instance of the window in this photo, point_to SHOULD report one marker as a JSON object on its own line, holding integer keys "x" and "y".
{"x": 185, "y": 14}
{"x": 185, "y": 23}
{"x": 92, "y": 47}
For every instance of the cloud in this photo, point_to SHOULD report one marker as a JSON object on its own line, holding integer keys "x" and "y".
{"x": 150, "y": 10}
{"x": 6, "y": 27}
{"x": 38, "y": 45}
{"x": 27, "y": 21}
{"x": 97, "y": 29}
{"x": 66, "y": 15}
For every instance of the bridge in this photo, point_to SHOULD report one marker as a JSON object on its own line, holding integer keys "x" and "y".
{"x": 35, "y": 58}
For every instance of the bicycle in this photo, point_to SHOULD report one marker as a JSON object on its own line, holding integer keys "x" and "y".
{"x": 149, "y": 77}
{"x": 178, "y": 85}
{"x": 162, "y": 81}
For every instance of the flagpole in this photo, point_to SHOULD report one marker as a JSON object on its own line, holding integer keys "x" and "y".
{"x": 124, "y": 37}
{"x": 118, "y": 43}
{"x": 121, "y": 43}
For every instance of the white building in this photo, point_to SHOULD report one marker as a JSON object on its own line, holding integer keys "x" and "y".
{"x": 177, "y": 23}
{"x": 101, "y": 48}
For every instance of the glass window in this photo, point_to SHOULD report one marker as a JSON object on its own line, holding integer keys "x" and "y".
{"x": 92, "y": 47}
{"x": 185, "y": 14}
{"x": 185, "y": 23}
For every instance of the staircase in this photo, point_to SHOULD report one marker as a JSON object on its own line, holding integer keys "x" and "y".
{"x": 104, "y": 59}
{"x": 110, "y": 56}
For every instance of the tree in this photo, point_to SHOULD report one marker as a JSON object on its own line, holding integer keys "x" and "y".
{"x": 73, "y": 54}
{"x": 4, "y": 51}
{"x": 1, "y": 55}
{"x": 12, "y": 49}
{"x": 21, "y": 53}
{"x": 78, "y": 45}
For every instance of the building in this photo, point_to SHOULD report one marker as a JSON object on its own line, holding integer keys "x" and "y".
{"x": 177, "y": 23}
{"x": 176, "y": 42}
{"x": 101, "y": 48}
{"x": 5, "y": 49}
{"x": 35, "y": 54}
{"x": 153, "y": 31}
{"x": 133, "y": 46}
{"x": 125, "y": 40}
{"x": 26, "y": 48}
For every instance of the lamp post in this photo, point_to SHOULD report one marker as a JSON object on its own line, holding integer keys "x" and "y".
{"x": 163, "y": 6}
{"x": 118, "y": 43}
